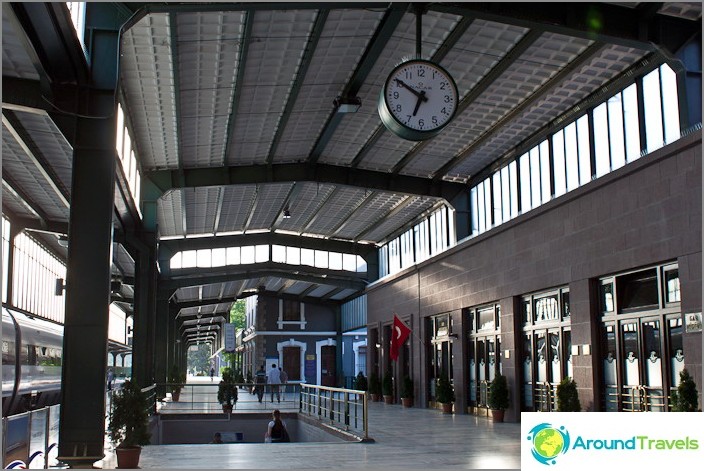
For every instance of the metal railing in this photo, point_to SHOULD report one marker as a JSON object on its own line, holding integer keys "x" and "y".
{"x": 203, "y": 398}
{"x": 343, "y": 409}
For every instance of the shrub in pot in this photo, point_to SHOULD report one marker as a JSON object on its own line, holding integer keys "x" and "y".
{"x": 387, "y": 387}
{"x": 360, "y": 382}
{"x": 227, "y": 390}
{"x": 374, "y": 387}
{"x": 567, "y": 396}
{"x": 407, "y": 392}
{"x": 498, "y": 397}
{"x": 685, "y": 398}
{"x": 128, "y": 424}
{"x": 444, "y": 393}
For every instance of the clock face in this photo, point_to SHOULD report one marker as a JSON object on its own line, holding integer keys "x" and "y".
{"x": 419, "y": 98}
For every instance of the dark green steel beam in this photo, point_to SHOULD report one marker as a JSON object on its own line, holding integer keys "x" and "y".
{"x": 166, "y": 180}
{"x": 602, "y": 22}
{"x": 387, "y": 26}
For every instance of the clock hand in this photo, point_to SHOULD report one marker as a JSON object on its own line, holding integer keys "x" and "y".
{"x": 420, "y": 95}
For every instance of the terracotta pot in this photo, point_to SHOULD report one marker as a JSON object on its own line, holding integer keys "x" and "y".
{"x": 227, "y": 409}
{"x": 497, "y": 415}
{"x": 388, "y": 399}
{"x": 128, "y": 457}
{"x": 176, "y": 395}
{"x": 375, "y": 397}
{"x": 407, "y": 401}
{"x": 446, "y": 407}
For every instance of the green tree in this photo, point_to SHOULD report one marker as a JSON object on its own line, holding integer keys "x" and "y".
{"x": 199, "y": 358}
{"x": 237, "y": 314}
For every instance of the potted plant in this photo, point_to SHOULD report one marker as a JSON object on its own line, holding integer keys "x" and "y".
{"x": 407, "y": 392}
{"x": 175, "y": 382}
{"x": 444, "y": 393}
{"x": 684, "y": 398}
{"x": 128, "y": 424}
{"x": 227, "y": 390}
{"x": 374, "y": 387}
{"x": 360, "y": 382}
{"x": 387, "y": 387}
{"x": 567, "y": 396}
{"x": 498, "y": 397}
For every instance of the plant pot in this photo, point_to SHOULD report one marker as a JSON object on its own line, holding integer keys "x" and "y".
{"x": 375, "y": 397}
{"x": 446, "y": 407}
{"x": 388, "y": 399}
{"x": 175, "y": 395}
{"x": 407, "y": 401}
{"x": 497, "y": 415}
{"x": 128, "y": 456}
{"x": 227, "y": 408}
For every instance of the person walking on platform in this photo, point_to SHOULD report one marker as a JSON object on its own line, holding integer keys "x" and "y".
{"x": 259, "y": 382}
{"x": 276, "y": 431}
{"x": 212, "y": 373}
{"x": 273, "y": 377}
{"x": 111, "y": 377}
{"x": 284, "y": 379}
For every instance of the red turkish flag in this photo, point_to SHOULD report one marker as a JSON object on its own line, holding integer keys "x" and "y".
{"x": 399, "y": 335}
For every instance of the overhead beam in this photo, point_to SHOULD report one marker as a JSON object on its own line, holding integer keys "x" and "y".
{"x": 166, "y": 180}
{"x": 304, "y": 63}
{"x": 377, "y": 44}
{"x": 206, "y": 302}
{"x": 14, "y": 189}
{"x": 543, "y": 90}
{"x": 603, "y": 22}
{"x": 267, "y": 238}
{"x": 375, "y": 225}
{"x": 55, "y": 227}
{"x": 200, "y": 277}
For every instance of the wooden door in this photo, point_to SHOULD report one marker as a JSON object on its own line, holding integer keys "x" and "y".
{"x": 292, "y": 363}
{"x": 328, "y": 373}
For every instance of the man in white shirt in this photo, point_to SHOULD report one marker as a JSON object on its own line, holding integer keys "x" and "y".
{"x": 273, "y": 377}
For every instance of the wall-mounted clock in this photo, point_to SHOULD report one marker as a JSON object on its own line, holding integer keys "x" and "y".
{"x": 418, "y": 100}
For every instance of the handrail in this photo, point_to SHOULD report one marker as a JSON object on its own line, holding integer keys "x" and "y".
{"x": 339, "y": 405}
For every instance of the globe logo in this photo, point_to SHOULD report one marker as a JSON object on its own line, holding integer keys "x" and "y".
{"x": 548, "y": 442}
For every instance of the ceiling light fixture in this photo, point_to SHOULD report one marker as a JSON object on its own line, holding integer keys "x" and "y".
{"x": 63, "y": 240}
{"x": 347, "y": 104}
{"x": 287, "y": 213}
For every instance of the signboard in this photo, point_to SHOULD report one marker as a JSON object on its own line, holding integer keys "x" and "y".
{"x": 693, "y": 322}
{"x": 229, "y": 337}
{"x": 310, "y": 368}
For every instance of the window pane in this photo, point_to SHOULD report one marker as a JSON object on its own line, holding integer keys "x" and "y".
{"x": 496, "y": 189}
{"x": 670, "y": 103}
{"x": 349, "y": 262}
{"x": 487, "y": 203}
{"x": 585, "y": 164}
{"x": 524, "y": 162}
{"x": 571, "y": 157}
{"x": 601, "y": 141}
{"x": 219, "y": 257}
{"x": 505, "y": 195}
{"x": 321, "y": 259}
{"x": 558, "y": 161}
{"x": 307, "y": 257}
{"x": 261, "y": 253}
{"x": 481, "y": 207}
{"x": 545, "y": 171}
{"x": 361, "y": 264}
{"x": 672, "y": 286}
{"x": 618, "y": 152}
{"x": 233, "y": 255}
{"x": 293, "y": 255}
{"x": 278, "y": 253}
{"x": 473, "y": 209}
{"x": 653, "y": 111}
{"x": 189, "y": 259}
{"x": 630, "y": 120}
{"x": 513, "y": 172}
{"x": 203, "y": 258}
{"x": 335, "y": 261}
{"x": 247, "y": 254}
{"x": 637, "y": 290}
{"x": 535, "y": 177}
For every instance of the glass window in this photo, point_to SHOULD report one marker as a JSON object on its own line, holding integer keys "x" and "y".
{"x": 585, "y": 163}
{"x": 524, "y": 163}
{"x": 601, "y": 140}
{"x": 547, "y": 309}
{"x": 335, "y": 261}
{"x": 606, "y": 296}
{"x": 5, "y": 255}
{"x": 203, "y": 258}
{"x": 292, "y": 310}
{"x": 535, "y": 177}
{"x": 261, "y": 253}
{"x": 293, "y": 255}
{"x": 565, "y": 304}
{"x": 630, "y": 123}
{"x": 513, "y": 172}
{"x": 637, "y": 290}
{"x": 653, "y": 111}
{"x": 496, "y": 186}
{"x": 505, "y": 195}
{"x": 670, "y": 103}
{"x": 545, "y": 171}
{"x": 219, "y": 257}
{"x": 473, "y": 209}
{"x": 527, "y": 318}
{"x": 481, "y": 208}
{"x": 233, "y": 256}
{"x": 487, "y": 203}
{"x": 618, "y": 153}
{"x": 672, "y": 286}
{"x": 571, "y": 157}
{"x": 485, "y": 318}
{"x": 278, "y": 253}
{"x": 308, "y": 257}
{"x": 558, "y": 162}
{"x": 247, "y": 254}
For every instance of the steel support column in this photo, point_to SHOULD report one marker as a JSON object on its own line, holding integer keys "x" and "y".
{"x": 144, "y": 312}
{"x": 82, "y": 420}
{"x": 161, "y": 364}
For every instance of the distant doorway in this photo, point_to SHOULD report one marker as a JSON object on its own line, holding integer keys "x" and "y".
{"x": 328, "y": 372}
{"x": 292, "y": 362}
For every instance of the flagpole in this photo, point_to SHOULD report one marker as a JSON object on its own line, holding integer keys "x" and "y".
{"x": 412, "y": 331}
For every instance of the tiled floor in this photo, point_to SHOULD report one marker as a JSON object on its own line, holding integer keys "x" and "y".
{"x": 404, "y": 438}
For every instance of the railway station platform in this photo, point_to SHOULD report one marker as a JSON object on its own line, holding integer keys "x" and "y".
{"x": 403, "y": 438}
